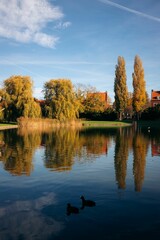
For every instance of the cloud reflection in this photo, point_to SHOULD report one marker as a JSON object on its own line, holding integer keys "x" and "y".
{"x": 24, "y": 220}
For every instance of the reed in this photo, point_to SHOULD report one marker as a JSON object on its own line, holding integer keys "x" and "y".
{"x": 46, "y": 123}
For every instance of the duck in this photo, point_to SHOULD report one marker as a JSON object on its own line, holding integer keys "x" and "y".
{"x": 72, "y": 209}
{"x": 87, "y": 203}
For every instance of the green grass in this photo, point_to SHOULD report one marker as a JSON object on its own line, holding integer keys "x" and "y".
{"x": 141, "y": 123}
{"x": 106, "y": 123}
{"x": 7, "y": 125}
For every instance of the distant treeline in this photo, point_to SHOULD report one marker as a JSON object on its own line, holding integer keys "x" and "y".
{"x": 65, "y": 102}
{"x": 62, "y": 101}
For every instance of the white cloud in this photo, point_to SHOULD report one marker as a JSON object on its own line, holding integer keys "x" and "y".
{"x": 24, "y": 20}
{"x": 63, "y": 25}
{"x": 130, "y": 10}
{"x": 45, "y": 39}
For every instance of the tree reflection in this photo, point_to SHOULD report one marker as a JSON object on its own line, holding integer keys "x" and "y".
{"x": 17, "y": 151}
{"x": 121, "y": 156}
{"x": 96, "y": 144}
{"x": 63, "y": 146}
{"x": 60, "y": 149}
{"x": 97, "y": 141}
{"x": 140, "y": 148}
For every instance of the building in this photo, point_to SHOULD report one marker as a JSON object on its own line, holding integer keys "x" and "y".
{"x": 155, "y": 98}
{"x": 102, "y": 96}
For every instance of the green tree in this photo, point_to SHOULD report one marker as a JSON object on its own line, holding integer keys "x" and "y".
{"x": 61, "y": 101}
{"x": 120, "y": 87}
{"x": 139, "y": 87}
{"x": 94, "y": 103}
{"x": 17, "y": 98}
{"x": 90, "y": 99}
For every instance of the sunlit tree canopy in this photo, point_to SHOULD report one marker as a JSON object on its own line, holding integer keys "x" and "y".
{"x": 120, "y": 87}
{"x": 17, "y": 98}
{"x": 61, "y": 101}
{"x": 139, "y": 86}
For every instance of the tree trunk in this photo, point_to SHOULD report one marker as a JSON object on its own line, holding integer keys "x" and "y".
{"x": 120, "y": 116}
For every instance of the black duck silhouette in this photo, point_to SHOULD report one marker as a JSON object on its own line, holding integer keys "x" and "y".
{"x": 87, "y": 203}
{"x": 71, "y": 209}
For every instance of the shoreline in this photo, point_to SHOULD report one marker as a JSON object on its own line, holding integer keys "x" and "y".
{"x": 3, "y": 127}
{"x": 83, "y": 124}
{"x": 105, "y": 124}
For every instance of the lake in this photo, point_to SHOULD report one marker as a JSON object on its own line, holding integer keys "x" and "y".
{"x": 117, "y": 168}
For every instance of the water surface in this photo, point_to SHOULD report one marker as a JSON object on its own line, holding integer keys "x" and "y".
{"x": 40, "y": 173}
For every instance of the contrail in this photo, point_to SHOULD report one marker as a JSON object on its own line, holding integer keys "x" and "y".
{"x": 130, "y": 10}
{"x": 22, "y": 68}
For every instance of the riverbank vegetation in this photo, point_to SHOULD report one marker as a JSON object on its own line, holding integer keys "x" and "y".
{"x": 64, "y": 103}
{"x": 46, "y": 123}
{"x": 106, "y": 123}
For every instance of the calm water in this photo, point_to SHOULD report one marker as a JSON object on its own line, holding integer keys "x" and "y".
{"x": 40, "y": 173}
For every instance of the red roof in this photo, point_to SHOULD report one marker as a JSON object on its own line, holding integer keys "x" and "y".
{"x": 155, "y": 98}
{"x": 155, "y": 94}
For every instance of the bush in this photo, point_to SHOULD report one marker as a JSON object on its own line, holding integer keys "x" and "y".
{"x": 151, "y": 113}
{"x": 108, "y": 115}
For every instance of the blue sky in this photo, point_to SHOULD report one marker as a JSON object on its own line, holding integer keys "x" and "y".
{"x": 79, "y": 40}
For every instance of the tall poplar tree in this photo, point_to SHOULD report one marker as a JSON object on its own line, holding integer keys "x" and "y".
{"x": 120, "y": 87}
{"x": 139, "y": 87}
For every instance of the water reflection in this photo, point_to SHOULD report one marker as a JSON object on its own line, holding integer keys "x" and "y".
{"x": 63, "y": 164}
{"x": 63, "y": 147}
{"x": 16, "y": 153}
{"x": 155, "y": 142}
{"x": 140, "y": 148}
{"x": 122, "y": 143}
{"x": 96, "y": 142}
{"x": 60, "y": 149}
{"x": 24, "y": 219}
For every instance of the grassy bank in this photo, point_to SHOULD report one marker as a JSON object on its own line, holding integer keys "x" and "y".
{"x": 7, "y": 126}
{"x": 42, "y": 124}
{"x": 106, "y": 123}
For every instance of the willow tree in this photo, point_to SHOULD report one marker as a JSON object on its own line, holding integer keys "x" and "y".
{"x": 120, "y": 87}
{"x": 61, "y": 102}
{"x": 17, "y": 98}
{"x": 139, "y": 87}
